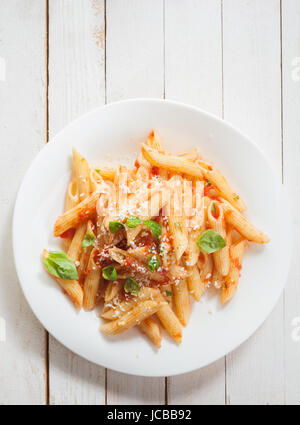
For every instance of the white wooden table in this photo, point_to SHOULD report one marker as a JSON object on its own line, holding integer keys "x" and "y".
{"x": 239, "y": 59}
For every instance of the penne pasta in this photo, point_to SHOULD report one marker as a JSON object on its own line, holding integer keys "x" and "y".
{"x": 153, "y": 140}
{"x": 75, "y": 247}
{"x": 72, "y": 199}
{"x": 191, "y": 155}
{"x": 106, "y": 172}
{"x": 231, "y": 281}
{"x": 86, "y": 251}
{"x": 81, "y": 171}
{"x": 72, "y": 195}
{"x": 91, "y": 283}
{"x": 169, "y": 321}
{"x": 217, "y": 223}
{"x": 151, "y": 328}
{"x": 176, "y": 222}
{"x": 71, "y": 287}
{"x": 74, "y": 290}
{"x": 172, "y": 162}
{"x": 205, "y": 266}
{"x": 118, "y": 310}
{"x": 154, "y": 204}
{"x": 121, "y": 256}
{"x": 112, "y": 290}
{"x": 141, "y": 240}
{"x": 180, "y": 240}
{"x": 217, "y": 278}
{"x": 182, "y": 301}
{"x": 167, "y": 292}
{"x": 243, "y": 226}
{"x": 95, "y": 180}
{"x": 197, "y": 223}
{"x": 83, "y": 211}
{"x": 132, "y": 318}
{"x": 222, "y": 186}
{"x": 195, "y": 284}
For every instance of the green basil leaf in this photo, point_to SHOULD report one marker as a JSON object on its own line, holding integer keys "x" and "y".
{"x": 178, "y": 225}
{"x": 132, "y": 222}
{"x": 211, "y": 241}
{"x": 115, "y": 226}
{"x": 154, "y": 227}
{"x": 213, "y": 208}
{"x": 236, "y": 197}
{"x": 153, "y": 263}
{"x": 169, "y": 293}
{"x": 132, "y": 286}
{"x": 109, "y": 273}
{"x": 88, "y": 240}
{"x": 61, "y": 266}
{"x": 97, "y": 170}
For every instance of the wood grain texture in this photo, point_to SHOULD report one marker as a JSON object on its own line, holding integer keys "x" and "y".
{"x": 134, "y": 49}
{"x": 76, "y": 59}
{"x": 134, "y": 68}
{"x": 22, "y": 129}
{"x": 193, "y": 74}
{"x": 252, "y": 102}
{"x": 291, "y": 154}
{"x": 127, "y": 389}
{"x": 142, "y": 36}
{"x": 76, "y": 85}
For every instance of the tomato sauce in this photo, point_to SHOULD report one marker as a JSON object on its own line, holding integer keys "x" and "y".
{"x": 155, "y": 171}
{"x": 128, "y": 261}
{"x": 68, "y": 234}
{"x": 206, "y": 190}
{"x": 237, "y": 264}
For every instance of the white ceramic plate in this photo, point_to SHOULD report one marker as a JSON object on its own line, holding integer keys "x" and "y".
{"x": 111, "y": 134}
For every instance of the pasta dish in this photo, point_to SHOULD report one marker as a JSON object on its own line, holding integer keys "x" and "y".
{"x": 140, "y": 243}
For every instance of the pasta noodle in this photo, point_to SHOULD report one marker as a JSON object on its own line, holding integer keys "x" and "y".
{"x": 152, "y": 330}
{"x": 182, "y": 301}
{"x": 83, "y": 211}
{"x": 217, "y": 223}
{"x": 243, "y": 226}
{"x": 142, "y": 242}
{"x": 71, "y": 287}
{"x": 91, "y": 284}
{"x": 132, "y": 318}
{"x": 231, "y": 281}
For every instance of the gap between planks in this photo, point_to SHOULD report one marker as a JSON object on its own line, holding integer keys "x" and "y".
{"x": 226, "y": 399}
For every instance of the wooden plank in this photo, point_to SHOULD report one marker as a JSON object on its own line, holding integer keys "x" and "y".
{"x": 291, "y": 153}
{"x": 134, "y": 45}
{"x": 134, "y": 66}
{"x": 193, "y": 60}
{"x": 76, "y": 85}
{"x": 128, "y": 389}
{"x": 76, "y": 60}
{"x": 252, "y": 102}
{"x": 22, "y": 135}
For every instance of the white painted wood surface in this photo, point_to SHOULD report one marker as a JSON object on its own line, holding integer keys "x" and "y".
{"x": 134, "y": 68}
{"x": 291, "y": 154}
{"x": 22, "y": 135}
{"x": 252, "y": 102}
{"x": 76, "y": 85}
{"x": 221, "y": 55}
{"x": 193, "y": 74}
